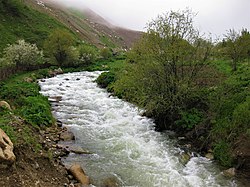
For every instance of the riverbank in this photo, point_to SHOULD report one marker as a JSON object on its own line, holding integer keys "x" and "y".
{"x": 35, "y": 134}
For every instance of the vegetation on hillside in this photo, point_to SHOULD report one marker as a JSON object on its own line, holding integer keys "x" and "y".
{"x": 190, "y": 85}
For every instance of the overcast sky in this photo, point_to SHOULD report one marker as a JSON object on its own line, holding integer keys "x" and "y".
{"x": 215, "y": 16}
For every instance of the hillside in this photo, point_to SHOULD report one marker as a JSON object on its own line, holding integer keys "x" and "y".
{"x": 19, "y": 21}
{"x": 88, "y": 25}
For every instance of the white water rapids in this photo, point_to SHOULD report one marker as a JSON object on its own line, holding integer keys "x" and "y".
{"x": 124, "y": 144}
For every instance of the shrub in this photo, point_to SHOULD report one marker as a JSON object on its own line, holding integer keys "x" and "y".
{"x": 37, "y": 111}
{"x": 189, "y": 119}
{"x": 23, "y": 54}
{"x": 105, "y": 79}
{"x": 106, "y": 53}
{"x": 87, "y": 55}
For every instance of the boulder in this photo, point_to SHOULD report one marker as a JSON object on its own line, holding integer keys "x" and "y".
{"x": 6, "y": 149}
{"x": 110, "y": 182}
{"x": 229, "y": 172}
{"x": 78, "y": 150}
{"x": 79, "y": 174}
{"x": 67, "y": 136}
{"x": 5, "y": 105}
{"x": 209, "y": 156}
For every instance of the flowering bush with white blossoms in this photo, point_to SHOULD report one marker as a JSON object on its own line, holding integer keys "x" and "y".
{"x": 87, "y": 55}
{"x": 23, "y": 54}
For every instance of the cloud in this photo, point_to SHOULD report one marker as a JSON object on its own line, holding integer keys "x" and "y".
{"x": 215, "y": 16}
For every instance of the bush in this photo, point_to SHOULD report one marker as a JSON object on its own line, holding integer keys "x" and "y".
{"x": 105, "y": 79}
{"x": 87, "y": 55}
{"x": 223, "y": 154}
{"x": 189, "y": 119}
{"x": 37, "y": 111}
{"x": 22, "y": 55}
{"x": 106, "y": 53}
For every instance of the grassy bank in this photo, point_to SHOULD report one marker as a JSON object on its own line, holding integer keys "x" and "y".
{"x": 30, "y": 109}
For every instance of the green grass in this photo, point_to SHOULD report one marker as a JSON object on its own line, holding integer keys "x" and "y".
{"x": 107, "y": 41}
{"x": 22, "y": 22}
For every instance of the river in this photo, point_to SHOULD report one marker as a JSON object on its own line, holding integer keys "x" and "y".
{"x": 124, "y": 144}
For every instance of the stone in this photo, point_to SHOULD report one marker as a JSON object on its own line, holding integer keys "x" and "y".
{"x": 67, "y": 136}
{"x": 78, "y": 150}
{"x": 110, "y": 182}
{"x": 6, "y": 149}
{"x": 4, "y": 104}
{"x": 185, "y": 157}
{"x": 229, "y": 172}
{"x": 28, "y": 79}
{"x": 209, "y": 156}
{"x": 77, "y": 171}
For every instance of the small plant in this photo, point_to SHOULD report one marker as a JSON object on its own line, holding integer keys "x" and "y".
{"x": 37, "y": 111}
{"x": 223, "y": 154}
{"x": 189, "y": 119}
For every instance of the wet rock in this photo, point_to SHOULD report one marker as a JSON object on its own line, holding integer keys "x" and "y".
{"x": 185, "y": 157}
{"x": 209, "y": 156}
{"x": 79, "y": 174}
{"x": 78, "y": 79}
{"x": 67, "y": 79}
{"x": 67, "y": 136}
{"x": 59, "y": 123}
{"x": 55, "y": 72}
{"x": 110, "y": 182}
{"x": 6, "y": 149}
{"x": 78, "y": 150}
{"x": 229, "y": 172}
{"x": 4, "y": 104}
{"x": 55, "y": 99}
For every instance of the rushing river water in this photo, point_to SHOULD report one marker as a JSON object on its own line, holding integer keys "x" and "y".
{"x": 124, "y": 144}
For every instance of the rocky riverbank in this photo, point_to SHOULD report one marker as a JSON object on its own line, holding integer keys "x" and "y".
{"x": 42, "y": 167}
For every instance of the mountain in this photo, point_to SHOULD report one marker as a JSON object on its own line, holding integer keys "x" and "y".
{"x": 88, "y": 25}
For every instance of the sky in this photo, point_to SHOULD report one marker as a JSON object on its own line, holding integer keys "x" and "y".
{"x": 213, "y": 16}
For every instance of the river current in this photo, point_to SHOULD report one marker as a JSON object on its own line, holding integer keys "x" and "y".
{"x": 125, "y": 146}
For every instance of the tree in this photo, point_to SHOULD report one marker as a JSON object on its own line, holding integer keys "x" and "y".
{"x": 87, "y": 54}
{"x": 59, "y": 45}
{"x": 237, "y": 46}
{"x": 22, "y": 55}
{"x": 165, "y": 63}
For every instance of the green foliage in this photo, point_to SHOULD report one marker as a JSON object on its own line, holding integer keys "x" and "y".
{"x": 21, "y": 22}
{"x": 163, "y": 66}
{"x": 236, "y": 47}
{"x": 36, "y": 111}
{"x": 23, "y": 54}
{"x": 222, "y": 153}
{"x": 189, "y": 119}
{"x": 107, "y": 41}
{"x": 25, "y": 97}
{"x": 105, "y": 53}
{"x": 59, "y": 46}
{"x": 105, "y": 79}
{"x": 87, "y": 54}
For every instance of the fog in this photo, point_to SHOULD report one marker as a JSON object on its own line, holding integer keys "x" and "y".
{"x": 214, "y": 16}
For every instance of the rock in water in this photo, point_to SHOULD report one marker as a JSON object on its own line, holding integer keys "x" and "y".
{"x": 79, "y": 174}
{"x": 67, "y": 136}
{"x": 229, "y": 172}
{"x": 5, "y": 105}
{"x": 6, "y": 149}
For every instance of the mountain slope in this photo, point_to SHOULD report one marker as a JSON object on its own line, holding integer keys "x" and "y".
{"x": 18, "y": 21}
{"x": 88, "y": 25}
